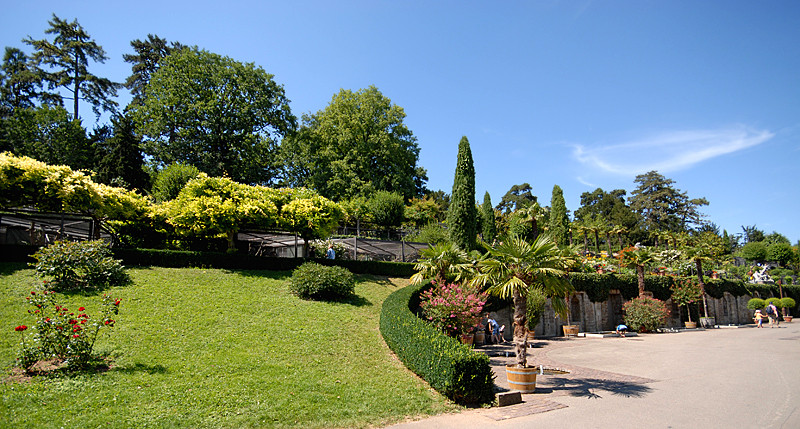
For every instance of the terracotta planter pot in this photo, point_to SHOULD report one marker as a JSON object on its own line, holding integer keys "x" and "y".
{"x": 522, "y": 379}
{"x": 787, "y": 318}
{"x": 690, "y": 325}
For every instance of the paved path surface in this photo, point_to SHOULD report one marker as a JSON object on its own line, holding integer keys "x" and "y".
{"x": 720, "y": 378}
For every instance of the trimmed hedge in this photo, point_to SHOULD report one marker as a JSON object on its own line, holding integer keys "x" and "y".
{"x": 182, "y": 259}
{"x": 450, "y": 367}
{"x": 597, "y": 286}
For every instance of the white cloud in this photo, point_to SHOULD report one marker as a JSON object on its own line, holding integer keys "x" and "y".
{"x": 669, "y": 151}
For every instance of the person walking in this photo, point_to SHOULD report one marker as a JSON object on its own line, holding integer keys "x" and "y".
{"x": 759, "y": 318}
{"x": 772, "y": 313}
{"x": 330, "y": 254}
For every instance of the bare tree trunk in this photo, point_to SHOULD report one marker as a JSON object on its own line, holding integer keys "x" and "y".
{"x": 520, "y": 328}
{"x": 699, "y": 266}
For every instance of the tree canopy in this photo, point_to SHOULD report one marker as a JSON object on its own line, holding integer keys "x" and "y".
{"x": 462, "y": 213}
{"x": 355, "y": 146}
{"x": 518, "y": 197}
{"x": 220, "y": 115}
{"x": 662, "y": 206}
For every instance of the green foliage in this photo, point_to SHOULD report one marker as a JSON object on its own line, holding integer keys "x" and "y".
{"x": 386, "y": 209}
{"x": 756, "y": 304}
{"x": 83, "y": 265}
{"x": 787, "y": 302}
{"x": 321, "y": 283}
{"x": 171, "y": 179}
{"x": 782, "y": 253}
{"x": 121, "y": 162}
{"x": 432, "y": 233}
{"x": 559, "y": 220}
{"x": 59, "y": 333}
{"x": 754, "y": 251}
{"x": 310, "y": 215}
{"x": 773, "y": 300}
{"x": 448, "y": 366}
{"x": 424, "y": 211}
{"x": 48, "y": 134}
{"x": 645, "y": 313}
{"x": 536, "y": 306}
{"x": 461, "y": 215}
{"x": 517, "y": 198}
{"x": 488, "y": 224}
{"x": 220, "y": 115}
{"x": 355, "y": 146}
{"x": 148, "y": 57}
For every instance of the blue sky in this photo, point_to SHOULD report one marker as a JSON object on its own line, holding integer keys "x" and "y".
{"x": 582, "y": 94}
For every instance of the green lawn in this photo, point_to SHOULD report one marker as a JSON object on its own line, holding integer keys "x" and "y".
{"x": 216, "y": 348}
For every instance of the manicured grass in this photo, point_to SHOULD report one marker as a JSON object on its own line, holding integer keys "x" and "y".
{"x": 216, "y": 348}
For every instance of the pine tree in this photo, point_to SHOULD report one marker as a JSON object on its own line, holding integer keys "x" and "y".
{"x": 461, "y": 215}
{"x": 487, "y": 212}
{"x": 559, "y": 220}
{"x": 69, "y": 54}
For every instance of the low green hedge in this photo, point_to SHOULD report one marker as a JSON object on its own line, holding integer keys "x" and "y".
{"x": 448, "y": 366}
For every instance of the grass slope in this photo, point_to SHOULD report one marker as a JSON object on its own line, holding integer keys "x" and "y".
{"x": 216, "y": 348}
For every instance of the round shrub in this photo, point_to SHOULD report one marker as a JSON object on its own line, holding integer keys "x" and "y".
{"x": 645, "y": 313}
{"x": 756, "y": 304}
{"x": 318, "y": 282}
{"x": 787, "y": 303}
{"x": 773, "y": 300}
{"x": 80, "y": 265}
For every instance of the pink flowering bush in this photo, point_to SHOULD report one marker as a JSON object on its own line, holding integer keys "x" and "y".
{"x": 60, "y": 333}
{"x": 453, "y": 308}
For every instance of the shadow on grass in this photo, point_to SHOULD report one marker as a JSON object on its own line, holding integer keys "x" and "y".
{"x": 9, "y": 268}
{"x": 140, "y": 367}
{"x": 589, "y": 387}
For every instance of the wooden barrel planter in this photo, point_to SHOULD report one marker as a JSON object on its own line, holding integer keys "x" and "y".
{"x": 480, "y": 338}
{"x": 467, "y": 339}
{"x": 570, "y": 330}
{"x": 521, "y": 379}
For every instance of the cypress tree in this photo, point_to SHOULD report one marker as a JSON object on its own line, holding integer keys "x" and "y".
{"x": 487, "y": 212}
{"x": 461, "y": 214}
{"x": 559, "y": 221}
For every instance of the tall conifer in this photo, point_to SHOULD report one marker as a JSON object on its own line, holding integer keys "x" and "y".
{"x": 461, "y": 215}
{"x": 487, "y": 212}
{"x": 559, "y": 221}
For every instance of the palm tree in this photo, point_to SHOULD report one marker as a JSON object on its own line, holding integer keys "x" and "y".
{"x": 637, "y": 258}
{"x": 444, "y": 262}
{"x": 703, "y": 248}
{"x": 513, "y": 267}
{"x": 618, "y": 231}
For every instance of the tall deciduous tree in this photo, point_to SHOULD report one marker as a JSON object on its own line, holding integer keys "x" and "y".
{"x": 461, "y": 216}
{"x": 67, "y": 58}
{"x": 145, "y": 62}
{"x": 355, "y": 146}
{"x": 220, "y": 115}
{"x": 559, "y": 217}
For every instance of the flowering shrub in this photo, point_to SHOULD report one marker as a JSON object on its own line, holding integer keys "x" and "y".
{"x": 79, "y": 265}
{"x": 645, "y": 313}
{"x": 453, "y": 308}
{"x": 60, "y": 333}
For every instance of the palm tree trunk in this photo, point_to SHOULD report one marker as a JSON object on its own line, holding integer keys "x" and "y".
{"x": 520, "y": 328}
{"x": 699, "y": 266}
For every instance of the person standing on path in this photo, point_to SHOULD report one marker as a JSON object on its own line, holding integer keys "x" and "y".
{"x": 330, "y": 254}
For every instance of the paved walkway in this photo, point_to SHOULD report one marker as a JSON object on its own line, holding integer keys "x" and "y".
{"x": 720, "y": 378}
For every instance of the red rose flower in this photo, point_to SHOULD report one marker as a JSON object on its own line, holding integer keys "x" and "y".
{"x": 81, "y": 309}
{"x": 76, "y": 336}
{"x": 20, "y": 328}
{"x": 33, "y": 293}
{"x": 116, "y": 302}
